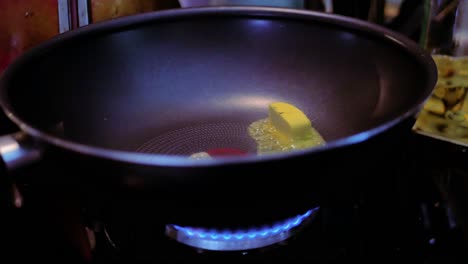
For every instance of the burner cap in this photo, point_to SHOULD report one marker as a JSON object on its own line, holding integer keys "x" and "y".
{"x": 229, "y": 240}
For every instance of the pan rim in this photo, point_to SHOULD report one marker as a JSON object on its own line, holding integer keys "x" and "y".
{"x": 122, "y": 23}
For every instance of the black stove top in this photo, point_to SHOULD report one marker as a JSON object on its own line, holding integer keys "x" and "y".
{"x": 425, "y": 232}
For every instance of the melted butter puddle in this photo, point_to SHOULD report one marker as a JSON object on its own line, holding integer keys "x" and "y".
{"x": 270, "y": 140}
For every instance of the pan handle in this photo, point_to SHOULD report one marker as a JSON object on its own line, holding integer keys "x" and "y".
{"x": 16, "y": 150}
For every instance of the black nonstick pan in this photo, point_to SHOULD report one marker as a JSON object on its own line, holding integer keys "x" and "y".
{"x": 121, "y": 104}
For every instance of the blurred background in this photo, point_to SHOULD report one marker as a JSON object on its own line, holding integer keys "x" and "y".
{"x": 25, "y": 23}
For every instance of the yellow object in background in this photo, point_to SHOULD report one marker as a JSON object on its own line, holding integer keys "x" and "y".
{"x": 109, "y": 9}
{"x": 445, "y": 114}
{"x": 286, "y": 128}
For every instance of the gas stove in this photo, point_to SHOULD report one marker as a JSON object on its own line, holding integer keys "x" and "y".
{"x": 426, "y": 233}
{"x": 411, "y": 210}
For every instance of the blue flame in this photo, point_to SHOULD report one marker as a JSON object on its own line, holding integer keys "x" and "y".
{"x": 265, "y": 232}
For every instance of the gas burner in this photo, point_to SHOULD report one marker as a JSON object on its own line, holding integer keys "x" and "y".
{"x": 239, "y": 240}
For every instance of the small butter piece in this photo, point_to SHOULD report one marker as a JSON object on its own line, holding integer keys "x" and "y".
{"x": 200, "y": 156}
{"x": 290, "y": 121}
{"x": 285, "y": 129}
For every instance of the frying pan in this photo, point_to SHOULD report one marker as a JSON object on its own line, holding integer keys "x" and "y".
{"x": 119, "y": 105}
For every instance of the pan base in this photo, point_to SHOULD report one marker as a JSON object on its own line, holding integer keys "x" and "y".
{"x": 199, "y": 138}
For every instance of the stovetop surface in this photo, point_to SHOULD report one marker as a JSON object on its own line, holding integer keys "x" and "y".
{"x": 425, "y": 235}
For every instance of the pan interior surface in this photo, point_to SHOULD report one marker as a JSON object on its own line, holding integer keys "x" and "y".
{"x": 193, "y": 82}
